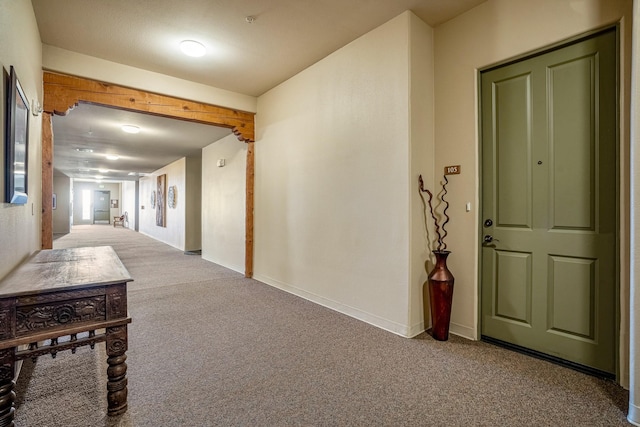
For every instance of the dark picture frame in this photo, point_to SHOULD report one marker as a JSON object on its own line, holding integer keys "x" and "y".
{"x": 16, "y": 142}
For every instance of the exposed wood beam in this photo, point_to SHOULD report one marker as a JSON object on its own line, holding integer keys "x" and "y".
{"x": 63, "y": 92}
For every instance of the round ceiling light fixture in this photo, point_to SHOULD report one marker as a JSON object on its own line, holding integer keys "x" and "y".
{"x": 130, "y": 128}
{"x": 192, "y": 48}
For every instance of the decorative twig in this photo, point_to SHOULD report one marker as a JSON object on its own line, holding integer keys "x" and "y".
{"x": 444, "y": 213}
{"x": 433, "y": 215}
{"x": 441, "y": 243}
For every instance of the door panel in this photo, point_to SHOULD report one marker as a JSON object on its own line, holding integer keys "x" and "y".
{"x": 572, "y": 284}
{"x": 512, "y": 111}
{"x": 549, "y": 185}
{"x": 101, "y": 206}
{"x": 572, "y": 120}
{"x": 513, "y": 287}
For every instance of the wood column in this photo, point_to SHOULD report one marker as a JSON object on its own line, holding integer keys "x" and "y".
{"x": 47, "y": 182}
{"x": 248, "y": 256}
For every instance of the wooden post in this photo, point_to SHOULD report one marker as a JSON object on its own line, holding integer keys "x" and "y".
{"x": 47, "y": 182}
{"x": 248, "y": 256}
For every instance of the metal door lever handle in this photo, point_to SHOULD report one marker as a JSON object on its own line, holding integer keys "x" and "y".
{"x": 488, "y": 238}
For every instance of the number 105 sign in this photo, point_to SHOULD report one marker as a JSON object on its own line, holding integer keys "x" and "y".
{"x": 452, "y": 170}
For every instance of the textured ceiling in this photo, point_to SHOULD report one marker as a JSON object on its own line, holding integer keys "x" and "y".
{"x": 286, "y": 37}
{"x": 160, "y": 141}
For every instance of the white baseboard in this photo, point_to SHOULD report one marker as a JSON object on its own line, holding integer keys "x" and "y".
{"x": 634, "y": 414}
{"x": 372, "y": 319}
{"x": 463, "y": 331}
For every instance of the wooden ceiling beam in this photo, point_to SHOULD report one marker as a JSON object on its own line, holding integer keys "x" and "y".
{"x": 63, "y": 92}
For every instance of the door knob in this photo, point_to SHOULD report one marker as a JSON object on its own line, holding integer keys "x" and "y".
{"x": 488, "y": 222}
{"x": 488, "y": 238}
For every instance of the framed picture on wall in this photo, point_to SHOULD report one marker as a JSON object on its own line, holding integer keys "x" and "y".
{"x": 16, "y": 142}
{"x": 161, "y": 189}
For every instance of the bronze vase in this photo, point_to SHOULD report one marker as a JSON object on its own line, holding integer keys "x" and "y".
{"x": 441, "y": 296}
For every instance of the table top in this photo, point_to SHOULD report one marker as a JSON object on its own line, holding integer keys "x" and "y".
{"x": 53, "y": 270}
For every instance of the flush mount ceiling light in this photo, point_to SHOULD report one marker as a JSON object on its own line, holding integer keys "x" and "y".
{"x": 130, "y": 128}
{"x": 192, "y": 48}
{"x": 84, "y": 150}
{"x": 112, "y": 157}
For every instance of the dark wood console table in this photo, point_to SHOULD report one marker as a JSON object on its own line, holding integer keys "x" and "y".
{"x": 68, "y": 294}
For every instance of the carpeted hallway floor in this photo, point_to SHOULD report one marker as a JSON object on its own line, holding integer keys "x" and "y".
{"x": 208, "y": 347}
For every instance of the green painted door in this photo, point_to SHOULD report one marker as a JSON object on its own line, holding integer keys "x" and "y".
{"x": 549, "y": 203}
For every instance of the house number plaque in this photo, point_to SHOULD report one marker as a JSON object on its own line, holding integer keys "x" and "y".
{"x": 452, "y": 170}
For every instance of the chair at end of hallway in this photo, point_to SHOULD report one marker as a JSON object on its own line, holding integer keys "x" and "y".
{"x": 122, "y": 220}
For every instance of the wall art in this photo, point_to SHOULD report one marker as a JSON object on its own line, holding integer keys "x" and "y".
{"x": 172, "y": 197}
{"x": 16, "y": 142}
{"x": 161, "y": 201}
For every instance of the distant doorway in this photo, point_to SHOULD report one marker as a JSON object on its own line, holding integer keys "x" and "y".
{"x": 101, "y": 207}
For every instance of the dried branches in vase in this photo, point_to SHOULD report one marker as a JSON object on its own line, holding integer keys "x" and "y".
{"x": 442, "y": 246}
{"x": 440, "y": 278}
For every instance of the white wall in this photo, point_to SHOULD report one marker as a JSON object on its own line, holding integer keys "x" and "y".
{"x": 173, "y": 233}
{"x": 21, "y": 47}
{"x": 422, "y": 154}
{"x": 332, "y": 196}
{"x": 192, "y": 197}
{"x": 223, "y": 203}
{"x": 488, "y": 34}
{"x": 62, "y": 212}
{"x": 79, "y": 186}
{"x": 76, "y": 64}
{"x": 129, "y": 204}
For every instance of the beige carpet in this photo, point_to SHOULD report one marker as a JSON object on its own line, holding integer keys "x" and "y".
{"x": 211, "y": 348}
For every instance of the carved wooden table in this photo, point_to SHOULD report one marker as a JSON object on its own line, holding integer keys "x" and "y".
{"x": 68, "y": 293}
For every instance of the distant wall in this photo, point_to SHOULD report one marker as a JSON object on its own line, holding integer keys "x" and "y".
{"x": 223, "y": 203}
{"x": 193, "y": 202}
{"x": 174, "y": 232}
{"x": 79, "y": 186}
{"x": 177, "y": 233}
{"x": 129, "y": 204}
{"x": 62, "y": 211}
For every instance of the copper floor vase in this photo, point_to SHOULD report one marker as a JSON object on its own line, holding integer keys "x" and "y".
{"x": 441, "y": 296}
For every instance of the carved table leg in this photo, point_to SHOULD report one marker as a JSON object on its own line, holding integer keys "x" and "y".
{"x": 117, "y": 370}
{"x": 7, "y": 385}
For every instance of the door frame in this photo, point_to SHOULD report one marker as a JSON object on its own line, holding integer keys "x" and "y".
{"x": 62, "y": 92}
{"x": 93, "y": 210}
{"x": 618, "y": 195}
